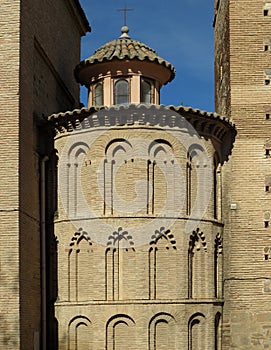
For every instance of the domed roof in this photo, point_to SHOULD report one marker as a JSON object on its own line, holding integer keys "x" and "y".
{"x": 125, "y": 48}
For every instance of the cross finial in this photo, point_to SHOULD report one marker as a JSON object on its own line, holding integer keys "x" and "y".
{"x": 125, "y": 10}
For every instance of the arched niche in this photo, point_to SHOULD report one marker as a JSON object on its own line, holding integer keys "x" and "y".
{"x": 80, "y": 333}
{"x": 118, "y": 157}
{"x": 75, "y": 156}
{"x": 120, "y": 333}
{"x": 162, "y": 332}
{"x": 197, "y": 332}
{"x": 197, "y": 265}
{"x": 218, "y": 331}
{"x": 199, "y": 186}
{"x": 163, "y": 259}
{"x": 218, "y": 258}
{"x": 85, "y": 269}
{"x": 161, "y": 177}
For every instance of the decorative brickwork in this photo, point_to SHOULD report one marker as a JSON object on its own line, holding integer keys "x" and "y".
{"x": 133, "y": 272}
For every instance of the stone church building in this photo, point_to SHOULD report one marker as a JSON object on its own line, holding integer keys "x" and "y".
{"x": 127, "y": 224}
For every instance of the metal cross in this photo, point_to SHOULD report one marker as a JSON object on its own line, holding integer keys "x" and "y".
{"x": 124, "y": 10}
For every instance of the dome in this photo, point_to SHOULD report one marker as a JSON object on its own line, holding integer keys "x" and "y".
{"x": 125, "y": 49}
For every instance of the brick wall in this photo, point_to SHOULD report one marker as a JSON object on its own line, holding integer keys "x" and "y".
{"x": 247, "y": 299}
{"x": 9, "y": 185}
{"x": 166, "y": 291}
{"x": 40, "y": 46}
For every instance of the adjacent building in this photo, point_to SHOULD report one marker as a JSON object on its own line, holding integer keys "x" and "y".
{"x": 36, "y": 80}
{"x": 242, "y": 89}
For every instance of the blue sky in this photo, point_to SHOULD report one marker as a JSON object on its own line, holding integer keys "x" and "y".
{"x": 179, "y": 30}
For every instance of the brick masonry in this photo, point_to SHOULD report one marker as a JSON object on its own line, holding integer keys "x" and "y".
{"x": 36, "y": 80}
{"x": 242, "y": 62}
{"x": 164, "y": 287}
{"x": 36, "y": 77}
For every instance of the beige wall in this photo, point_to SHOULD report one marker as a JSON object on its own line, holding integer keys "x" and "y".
{"x": 40, "y": 44}
{"x": 112, "y": 295}
{"x": 9, "y": 185}
{"x": 247, "y": 293}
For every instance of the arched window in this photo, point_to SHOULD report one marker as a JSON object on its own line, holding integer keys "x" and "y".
{"x": 121, "y": 92}
{"x": 146, "y": 92}
{"x": 98, "y": 95}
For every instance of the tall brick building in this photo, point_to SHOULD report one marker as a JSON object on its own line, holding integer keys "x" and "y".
{"x": 242, "y": 89}
{"x": 36, "y": 80}
{"x": 132, "y": 225}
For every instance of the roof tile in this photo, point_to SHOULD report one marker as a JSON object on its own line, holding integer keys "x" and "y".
{"x": 124, "y": 48}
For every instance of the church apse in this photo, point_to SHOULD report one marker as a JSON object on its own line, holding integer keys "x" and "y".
{"x": 139, "y": 223}
{"x": 128, "y": 245}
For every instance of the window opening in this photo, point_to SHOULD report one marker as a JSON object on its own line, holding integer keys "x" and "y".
{"x": 121, "y": 92}
{"x": 146, "y": 93}
{"x": 98, "y": 95}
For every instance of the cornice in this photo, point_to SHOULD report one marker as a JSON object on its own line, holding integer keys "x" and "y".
{"x": 204, "y": 123}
